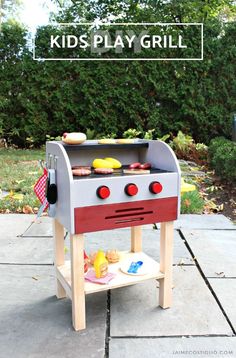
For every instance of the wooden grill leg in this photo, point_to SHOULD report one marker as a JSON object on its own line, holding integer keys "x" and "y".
{"x": 136, "y": 238}
{"x": 59, "y": 255}
{"x": 77, "y": 282}
{"x": 166, "y": 257}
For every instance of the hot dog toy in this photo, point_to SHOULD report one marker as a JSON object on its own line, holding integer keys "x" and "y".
{"x": 138, "y": 165}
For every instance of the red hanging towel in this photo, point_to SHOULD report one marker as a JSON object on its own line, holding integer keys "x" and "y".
{"x": 40, "y": 188}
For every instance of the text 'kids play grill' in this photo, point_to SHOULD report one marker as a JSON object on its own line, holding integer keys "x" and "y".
{"x": 129, "y": 196}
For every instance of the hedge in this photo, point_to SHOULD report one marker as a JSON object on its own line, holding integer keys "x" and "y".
{"x": 39, "y": 98}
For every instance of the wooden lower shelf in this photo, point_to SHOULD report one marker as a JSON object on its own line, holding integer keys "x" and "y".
{"x": 63, "y": 274}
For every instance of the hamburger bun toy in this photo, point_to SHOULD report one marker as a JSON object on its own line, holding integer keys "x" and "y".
{"x": 74, "y": 138}
{"x": 107, "y": 141}
{"x": 125, "y": 141}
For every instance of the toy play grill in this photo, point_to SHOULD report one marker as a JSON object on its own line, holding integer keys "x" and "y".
{"x": 104, "y": 202}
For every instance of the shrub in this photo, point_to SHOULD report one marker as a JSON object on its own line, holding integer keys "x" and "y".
{"x": 185, "y": 148}
{"x": 191, "y": 203}
{"x": 222, "y": 156}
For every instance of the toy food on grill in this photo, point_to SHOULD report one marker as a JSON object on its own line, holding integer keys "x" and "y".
{"x": 134, "y": 165}
{"x": 116, "y": 164}
{"x": 74, "y": 138}
{"x": 107, "y": 141}
{"x": 103, "y": 170}
{"x": 138, "y": 165}
{"x": 101, "y": 163}
{"x": 81, "y": 167}
{"x": 136, "y": 171}
{"x": 81, "y": 172}
{"x": 112, "y": 256}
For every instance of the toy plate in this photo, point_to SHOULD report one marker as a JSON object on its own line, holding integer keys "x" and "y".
{"x": 143, "y": 270}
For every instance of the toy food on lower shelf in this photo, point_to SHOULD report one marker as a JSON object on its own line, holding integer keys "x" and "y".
{"x": 100, "y": 265}
{"x": 136, "y": 266}
{"x": 92, "y": 257}
{"x": 90, "y": 276}
{"x": 112, "y": 256}
{"x": 74, "y": 138}
{"x": 86, "y": 262}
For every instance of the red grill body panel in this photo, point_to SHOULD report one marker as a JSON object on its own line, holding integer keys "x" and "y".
{"x": 112, "y": 216}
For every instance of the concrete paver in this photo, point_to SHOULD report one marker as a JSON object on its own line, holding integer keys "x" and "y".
{"x": 42, "y": 227}
{"x": 215, "y": 251}
{"x": 14, "y": 224}
{"x": 225, "y": 290}
{"x": 33, "y": 323}
{"x": 135, "y": 311}
{"x": 20, "y": 250}
{"x": 195, "y": 221}
{"x": 173, "y": 347}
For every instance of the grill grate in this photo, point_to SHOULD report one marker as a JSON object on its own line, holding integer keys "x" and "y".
{"x": 118, "y": 173}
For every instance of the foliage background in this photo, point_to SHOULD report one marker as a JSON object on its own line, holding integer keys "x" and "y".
{"x": 197, "y": 97}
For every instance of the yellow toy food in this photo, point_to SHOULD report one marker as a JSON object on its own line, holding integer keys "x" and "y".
{"x": 107, "y": 141}
{"x": 100, "y": 265}
{"x": 101, "y": 163}
{"x": 115, "y": 163}
{"x": 125, "y": 141}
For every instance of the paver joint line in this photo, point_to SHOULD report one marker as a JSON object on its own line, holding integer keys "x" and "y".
{"x": 207, "y": 282}
{"x": 222, "y": 277}
{"x": 203, "y": 228}
{"x": 173, "y": 336}
{"x": 108, "y": 322}
{"x": 20, "y": 264}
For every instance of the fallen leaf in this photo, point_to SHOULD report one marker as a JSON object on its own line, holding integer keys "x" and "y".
{"x": 187, "y": 202}
{"x": 33, "y": 173}
{"x": 221, "y": 274}
{"x": 34, "y": 278}
{"x": 19, "y": 181}
{"x": 27, "y": 210}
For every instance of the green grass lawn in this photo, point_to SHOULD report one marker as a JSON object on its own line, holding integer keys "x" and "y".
{"x": 19, "y": 170}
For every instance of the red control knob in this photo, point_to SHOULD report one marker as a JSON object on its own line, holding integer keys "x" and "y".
{"x": 103, "y": 192}
{"x": 155, "y": 187}
{"x": 131, "y": 189}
